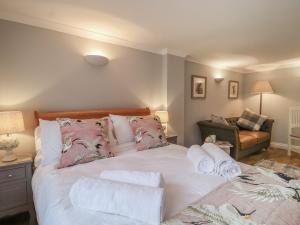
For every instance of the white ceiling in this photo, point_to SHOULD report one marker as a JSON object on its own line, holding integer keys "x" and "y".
{"x": 242, "y": 35}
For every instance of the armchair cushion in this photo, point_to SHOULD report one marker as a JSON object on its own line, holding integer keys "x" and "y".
{"x": 246, "y": 141}
{"x": 259, "y": 136}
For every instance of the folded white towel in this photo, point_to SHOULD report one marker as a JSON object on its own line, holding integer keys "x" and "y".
{"x": 203, "y": 162}
{"x": 137, "y": 202}
{"x": 152, "y": 179}
{"x": 224, "y": 165}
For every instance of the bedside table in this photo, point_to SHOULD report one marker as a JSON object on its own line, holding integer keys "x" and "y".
{"x": 15, "y": 188}
{"x": 172, "y": 138}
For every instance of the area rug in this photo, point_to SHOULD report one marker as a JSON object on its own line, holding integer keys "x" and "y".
{"x": 290, "y": 170}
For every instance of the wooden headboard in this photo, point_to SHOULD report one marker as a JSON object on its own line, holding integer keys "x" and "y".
{"x": 89, "y": 114}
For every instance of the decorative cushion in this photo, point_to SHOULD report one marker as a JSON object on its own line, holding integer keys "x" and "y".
{"x": 84, "y": 141}
{"x": 251, "y": 120}
{"x": 218, "y": 119}
{"x": 148, "y": 132}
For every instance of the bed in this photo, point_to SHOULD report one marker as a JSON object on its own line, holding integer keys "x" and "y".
{"x": 183, "y": 186}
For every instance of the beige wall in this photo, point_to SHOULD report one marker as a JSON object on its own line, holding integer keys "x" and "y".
{"x": 286, "y": 84}
{"x": 45, "y": 70}
{"x": 216, "y": 99}
{"x": 174, "y": 86}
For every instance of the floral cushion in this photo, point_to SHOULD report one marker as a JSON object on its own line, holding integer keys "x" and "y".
{"x": 148, "y": 132}
{"x": 84, "y": 141}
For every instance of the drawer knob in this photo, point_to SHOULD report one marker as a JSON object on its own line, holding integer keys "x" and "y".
{"x": 10, "y": 175}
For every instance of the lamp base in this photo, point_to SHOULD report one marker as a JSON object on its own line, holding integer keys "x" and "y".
{"x": 8, "y": 143}
{"x": 9, "y": 156}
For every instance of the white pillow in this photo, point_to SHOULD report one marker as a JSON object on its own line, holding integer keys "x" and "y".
{"x": 111, "y": 136}
{"x": 38, "y": 146}
{"x": 51, "y": 142}
{"x": 37, "y": 139}
{"x": 122, "y": 129}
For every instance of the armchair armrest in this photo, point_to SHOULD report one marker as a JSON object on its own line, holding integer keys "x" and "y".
{"x": 267, "y": 126}
{"x": 223, "y": 132}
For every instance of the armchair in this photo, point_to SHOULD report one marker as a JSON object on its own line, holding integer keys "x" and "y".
{"x": 244, "y": 142}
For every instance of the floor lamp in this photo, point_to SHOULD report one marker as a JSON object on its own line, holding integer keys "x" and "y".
{"x": 261, "y": 87}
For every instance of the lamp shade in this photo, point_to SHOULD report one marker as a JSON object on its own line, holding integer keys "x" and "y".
{"x": 11, "y": 122}
{"x": 163, "y": 115}
{"x": 262, "y": 86}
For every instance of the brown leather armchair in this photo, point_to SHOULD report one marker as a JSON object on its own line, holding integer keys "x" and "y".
{"x": 244, "y": 142}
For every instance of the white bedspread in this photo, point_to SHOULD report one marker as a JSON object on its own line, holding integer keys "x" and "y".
{"x": 182, "y": 185}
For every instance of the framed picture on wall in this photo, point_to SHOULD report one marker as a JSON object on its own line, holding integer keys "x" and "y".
{"x": 198, "y": 87}
{"x": 233, "y": 89}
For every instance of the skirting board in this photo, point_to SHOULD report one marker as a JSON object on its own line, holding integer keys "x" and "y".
{"x": 284, "y": 146}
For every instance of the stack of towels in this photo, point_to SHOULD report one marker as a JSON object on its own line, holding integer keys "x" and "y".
{"x": 134, "y": 194}
{"x": 210, "y": 159}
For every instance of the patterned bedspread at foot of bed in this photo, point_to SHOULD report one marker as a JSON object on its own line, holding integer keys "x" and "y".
{"x": 257, "y": 197}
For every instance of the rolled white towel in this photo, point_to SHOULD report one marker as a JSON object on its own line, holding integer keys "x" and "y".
{"x": 203, "y": 162}
{"x": 224, "y": 165}
{"x": 137, "y": 202}
{"x": 151, "y": 179}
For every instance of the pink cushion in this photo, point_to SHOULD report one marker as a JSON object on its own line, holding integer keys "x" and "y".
{"x": 148, "y": 132}
{"x": 84, "y": 141}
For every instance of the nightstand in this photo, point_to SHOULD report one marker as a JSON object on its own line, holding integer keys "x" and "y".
{"x": 172, "y": 138}
{"x": 15, "y": 188}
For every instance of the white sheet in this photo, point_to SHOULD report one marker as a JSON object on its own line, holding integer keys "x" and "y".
{"x": 182, "y": 185}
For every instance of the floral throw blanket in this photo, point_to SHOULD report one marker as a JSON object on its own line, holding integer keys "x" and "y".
{"x": 258, "y": 196}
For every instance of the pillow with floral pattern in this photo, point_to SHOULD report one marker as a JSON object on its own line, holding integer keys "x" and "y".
{"x": 148, "y": 132}
{"x": 84, "y": 140}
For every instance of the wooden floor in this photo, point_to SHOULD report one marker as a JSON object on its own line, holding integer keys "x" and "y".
{"x": 273, "y": 154}
{"x": 277, "y": 155}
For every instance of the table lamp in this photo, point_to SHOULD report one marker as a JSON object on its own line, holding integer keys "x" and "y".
{"x": 164, "y": 119}
{"x": 10, "y": 122}
{"x": 261, "y": 87}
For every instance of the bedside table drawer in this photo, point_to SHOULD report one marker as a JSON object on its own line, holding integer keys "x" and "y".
{"x": 13, "y": 194}
{"x": 12, "y": 174}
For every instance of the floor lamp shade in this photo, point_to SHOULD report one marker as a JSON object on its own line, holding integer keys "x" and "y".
{"x": 262, "y": 87}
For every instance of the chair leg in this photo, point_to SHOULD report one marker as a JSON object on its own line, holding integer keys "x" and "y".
{"x": 290, "y": 147}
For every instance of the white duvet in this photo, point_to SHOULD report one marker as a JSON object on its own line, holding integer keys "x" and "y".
{"x": 182, "y": 185}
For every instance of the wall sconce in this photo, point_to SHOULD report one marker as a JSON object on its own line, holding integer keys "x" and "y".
{"x": 219, "y": 79}
{"x": 96, "y": 60}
